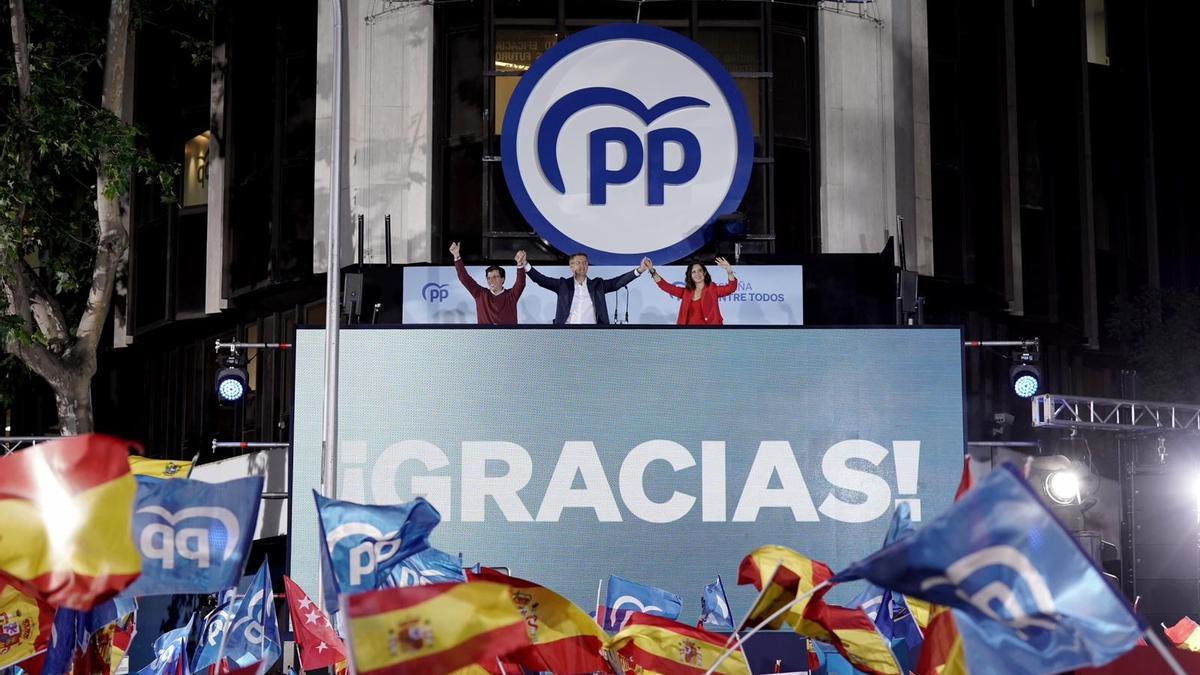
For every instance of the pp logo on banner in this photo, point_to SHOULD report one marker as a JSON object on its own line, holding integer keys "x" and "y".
{"x": 435, "y": 292}
{"x": 626, "y": 140}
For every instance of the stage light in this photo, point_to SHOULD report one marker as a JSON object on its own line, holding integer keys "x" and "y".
{"x": 1062, "y": 486}
{"x": 1024, "y": 376}
{"x": 231, "y": 382}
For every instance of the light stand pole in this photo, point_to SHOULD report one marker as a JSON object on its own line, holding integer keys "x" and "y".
{"x": 333, "y": 286}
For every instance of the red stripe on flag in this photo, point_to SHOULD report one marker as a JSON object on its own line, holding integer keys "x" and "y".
{"x": 65, "y": 588}
{"x": 78, "y": 463}
{"x": 640, "y": 619}
{"x": 391, "y": 599}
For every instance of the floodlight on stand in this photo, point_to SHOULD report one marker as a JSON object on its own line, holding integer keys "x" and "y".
{"x": 1062, "y": 486}
{"x": 1024, "y": 376}
{"x": 232, "y": 381}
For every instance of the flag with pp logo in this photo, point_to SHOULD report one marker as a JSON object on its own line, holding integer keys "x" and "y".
{"x": 430, "y": 566}
{"x": 714, "y": 606}
{"x": 1003, "y": 561}
{"x": 253, "y": 632}
{"x": 193, "y": 536}
{"x": 624, "y": 597}
{"x": 170, "y": 652}
{"x": 364, "y": 542}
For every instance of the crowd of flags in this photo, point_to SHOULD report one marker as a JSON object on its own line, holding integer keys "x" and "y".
{"x": 993, "y": 585}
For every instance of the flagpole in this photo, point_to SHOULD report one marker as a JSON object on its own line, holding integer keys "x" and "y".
{"x": 761, "y": 593}
{"x": 501, "y": 666}
{"x": 1164, "y": 652}
{"x": 598, "y": 619}
{"x": 742, "y": 638}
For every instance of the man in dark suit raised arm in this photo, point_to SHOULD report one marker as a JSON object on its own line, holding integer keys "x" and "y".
{"x": 580, "y": 299}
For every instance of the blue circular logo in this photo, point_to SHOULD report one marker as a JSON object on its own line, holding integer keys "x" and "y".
{"x": 624, "y": 141}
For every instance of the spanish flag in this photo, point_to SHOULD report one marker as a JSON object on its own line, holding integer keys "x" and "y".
{"x": 122, "y": 638}
{"x": 780, "y": 574}
{"x": 159, "y": 468}
{"x": 25, "y": 624}
{"x": 942, "y": 652}
{"x": 563, "y": 638}
{"x": 432, "y": 629}
{"x": 1185, "y": 634}
{"x": 851, "y": 631}
{"x": 651, "y": 644}
{"x": 66, "y": 514}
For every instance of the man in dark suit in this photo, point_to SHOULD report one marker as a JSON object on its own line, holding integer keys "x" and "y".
{"x": 580, "y": 299}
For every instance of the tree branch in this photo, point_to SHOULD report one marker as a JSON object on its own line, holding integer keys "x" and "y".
{"x": 38, "y": 359}
{"x": 113, "y": 238}
{"x": 20, "y": 49}
{"x": 47, "y": 312}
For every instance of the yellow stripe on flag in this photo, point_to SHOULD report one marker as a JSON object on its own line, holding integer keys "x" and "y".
{"x": 449, "y": 631}
{"x": 159, "y": 468}
{"x": 657, "y": 649}
{"x": 919, "y": 610}
{"x": 19, "y": 625}
{"x": 90, "y": 534}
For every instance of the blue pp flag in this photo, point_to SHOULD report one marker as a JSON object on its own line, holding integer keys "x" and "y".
{"x": 170, "y": 650}
{"x": 363, "y": 543}
{"x": 898, "y": 625}
{"x": 212, "y": 634}
{"x": 871, "y": 598}
{"x": 430, "y": 566}
{"x": 714, "y": 606}
{"x": 1000, "y": 558}
{"x": 193, "y": 536}
{"x": 253, "y": 632}
{"x": 624, "y": 597}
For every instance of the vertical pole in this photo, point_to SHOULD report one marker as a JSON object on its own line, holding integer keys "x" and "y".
{"x": 333, "y": 282}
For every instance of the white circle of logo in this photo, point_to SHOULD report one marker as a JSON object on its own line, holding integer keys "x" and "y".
{"x": 624, "y": 141}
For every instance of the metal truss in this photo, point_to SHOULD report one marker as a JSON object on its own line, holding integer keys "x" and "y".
{"x": 10, "y": 444}
{"x": 1110, "y": 414}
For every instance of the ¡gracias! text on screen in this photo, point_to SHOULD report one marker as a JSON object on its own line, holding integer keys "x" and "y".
{"x": 499, "y": 472}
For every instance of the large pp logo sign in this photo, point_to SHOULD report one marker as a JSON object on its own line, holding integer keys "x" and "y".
{"x": 164, "y": 541}
{"x": 624, "y": 141}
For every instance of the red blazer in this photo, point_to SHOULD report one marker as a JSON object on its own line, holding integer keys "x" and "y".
{"x": 708, "y": 300}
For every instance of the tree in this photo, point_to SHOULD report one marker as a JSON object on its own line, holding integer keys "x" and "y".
{"x": 67, "y": 161}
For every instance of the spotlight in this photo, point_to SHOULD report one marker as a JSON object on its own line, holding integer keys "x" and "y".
{"x": 1062, "y": 486}
{"x": 1024, "y": 376}
{"x": 231, "y": 381}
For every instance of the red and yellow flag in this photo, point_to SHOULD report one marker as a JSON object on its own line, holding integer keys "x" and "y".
{"x": 159, "y": 468}
{"x": 563, "y": 638}
{"x": 122, "y": 638}
{"x": 66, "y": 519}
{"x": 433, "y": 629}
{"x": 851, "y": 631}
{"x": 1185, "y": 634}
{"x": 781, "y": 574}
{"x": 25, "y": 624}
{"x": 651, "y": 644}
{"x": 942, "y": 652}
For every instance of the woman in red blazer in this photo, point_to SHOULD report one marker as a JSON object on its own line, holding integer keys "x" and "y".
{"x": 699, "y": 295}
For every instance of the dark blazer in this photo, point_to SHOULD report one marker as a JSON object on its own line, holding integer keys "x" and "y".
{"x": 565, "y": 289}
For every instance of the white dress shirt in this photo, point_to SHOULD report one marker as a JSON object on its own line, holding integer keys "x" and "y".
{"x": 582, "y": 309}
